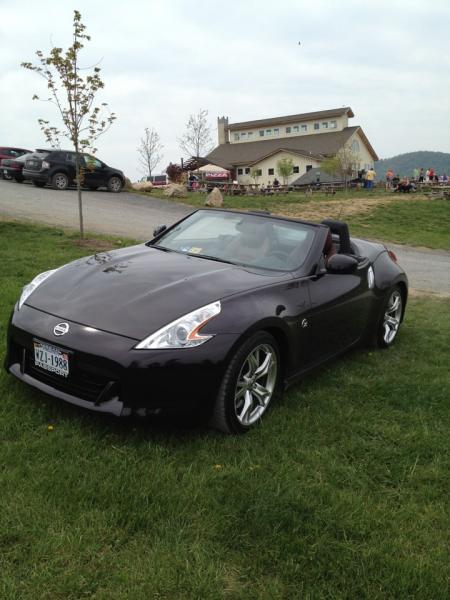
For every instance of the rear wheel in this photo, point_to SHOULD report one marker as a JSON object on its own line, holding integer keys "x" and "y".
{"x": 60, "y": 181}
{"x": 115, "y": 184}
{"x": 250, "y": 382}
{"x": 389, "y": 319}
{"x": 39, "y": 183}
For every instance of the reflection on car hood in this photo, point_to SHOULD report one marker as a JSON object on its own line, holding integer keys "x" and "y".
{"x": 135, "y": 291}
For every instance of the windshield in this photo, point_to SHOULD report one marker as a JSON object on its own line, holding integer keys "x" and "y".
{"x": 241, "y": 239}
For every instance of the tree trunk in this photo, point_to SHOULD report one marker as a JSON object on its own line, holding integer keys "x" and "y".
{"x": 80, "y": 199}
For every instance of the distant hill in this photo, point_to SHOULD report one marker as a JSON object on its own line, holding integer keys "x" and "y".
{"x": 403, "y": 164}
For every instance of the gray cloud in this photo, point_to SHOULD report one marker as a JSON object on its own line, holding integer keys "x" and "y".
{"x": 162, "y": 61}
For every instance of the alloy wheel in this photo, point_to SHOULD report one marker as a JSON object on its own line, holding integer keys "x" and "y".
{"x": 392, "y": 317}
{"x": 255, "y": 384}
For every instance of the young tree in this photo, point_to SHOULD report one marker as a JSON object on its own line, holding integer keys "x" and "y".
{"x": 344, "y": 163}
{"x": 197, "y": 140}
{"x": 255, "y": 175}
{"x": 72, "y": 90}
{"x": 285, "y": 168}
{"x": 149, "y": 150}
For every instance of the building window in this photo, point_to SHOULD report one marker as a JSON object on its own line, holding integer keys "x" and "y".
{"x": 270, "y": 171}
{"x": 243, "y": 135}
{"x": 308, "y": 168}
{"x": 261, "y": 133}
{"x": 355, "y": 146}
{"x": 247, "y": 170}
{"x": 240, "y": 171}
{"x": 250, "y": 134}
{"x": 325, "y": 125}
{"x": 333, "y": 124}
{"x": 295, "y": 129}
{"x": 296, "y": 170}
{"x": 268, "y": 132}
{"x": 258, "y": 172}
{"x": 304, "y": 127}
{"x": 276, "y": 131}
{"x": 288, "y": 130}
{"x": 236, "y": 137}
{"x": 316, "y": 125}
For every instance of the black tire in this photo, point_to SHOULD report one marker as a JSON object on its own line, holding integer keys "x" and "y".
{"x": 39, "y": 183}
{"x": 229, "y": 412}
{"x": 115, "y": 184}
{"x": 60, "y": 181}
{"x": 389, "y": 319}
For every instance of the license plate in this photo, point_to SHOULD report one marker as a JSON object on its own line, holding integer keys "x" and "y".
{"x": 51, "y": 358}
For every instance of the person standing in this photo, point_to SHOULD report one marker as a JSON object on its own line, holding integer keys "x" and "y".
{"x": 370, "y": 176}
{"x": 421, "y": 175}
{"x": 389, "y": 178}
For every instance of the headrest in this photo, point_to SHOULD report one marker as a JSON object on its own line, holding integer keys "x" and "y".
{"x": 341, "y": 229}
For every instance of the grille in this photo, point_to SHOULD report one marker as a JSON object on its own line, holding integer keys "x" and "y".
{"x": 80, "y": 383}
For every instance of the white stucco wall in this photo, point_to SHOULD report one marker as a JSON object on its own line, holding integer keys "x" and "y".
{"x": 271, "y": 163}
{"x": 253, "y": 135}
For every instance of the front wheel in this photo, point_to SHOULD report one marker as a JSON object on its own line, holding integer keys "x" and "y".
{"x": 390, "y": 318}
{"x": 115, "y": 184}
{"x": 250, "y": 382}
{"x": 60, "y": 181}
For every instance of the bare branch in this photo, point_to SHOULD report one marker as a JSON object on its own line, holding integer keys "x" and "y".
{"x": 197, "y": 140}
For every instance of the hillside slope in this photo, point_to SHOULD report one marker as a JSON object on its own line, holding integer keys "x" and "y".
{"x": 403, "y": 164}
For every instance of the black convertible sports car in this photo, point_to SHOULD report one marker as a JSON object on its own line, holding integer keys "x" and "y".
{"x": 222, "y": 311}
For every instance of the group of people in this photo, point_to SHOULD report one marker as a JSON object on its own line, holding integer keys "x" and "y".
{"x": 367, "y": 178}
{"x": 400, "y": 184}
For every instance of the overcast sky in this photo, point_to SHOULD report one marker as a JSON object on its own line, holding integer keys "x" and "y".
{"x": 164, "y": 60}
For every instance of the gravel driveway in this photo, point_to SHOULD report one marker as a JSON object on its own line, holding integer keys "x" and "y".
{"x": 134, "y": 216}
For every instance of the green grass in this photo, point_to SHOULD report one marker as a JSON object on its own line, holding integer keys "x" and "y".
{"x": 406, "y": 219}
{"x": 415, "y": 222}
{"x": 343, "y": 492}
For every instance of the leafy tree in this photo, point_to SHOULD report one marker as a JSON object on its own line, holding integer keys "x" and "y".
{"x": 149, "y": 150}
{"x": 255, "y": 174}
{"x": 73, "y": 90}
{"x": 344, "y": 163}
{"x": 285, "y": 168}
{"x": 197, "y": 140}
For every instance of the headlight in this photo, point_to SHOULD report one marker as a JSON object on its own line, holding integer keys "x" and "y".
{"x": 28, "y": 289}
{"x": 184, "y": 332}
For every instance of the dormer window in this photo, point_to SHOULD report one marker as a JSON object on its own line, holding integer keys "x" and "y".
{"x": 236, "y": 137}
{"x": 295, "y": 129}
{"x": 268, "y": 132}
{"x": 316, "y": 126}
{"x": 325, "y": 125}
{"x": 261, "y": 133}
{"x": 276, "y": 131}
{"x": 288, "y": 130}
{"x": 243, "y": 135}
{"x": 304, "y": 128}
{"x": 333, "y": 124}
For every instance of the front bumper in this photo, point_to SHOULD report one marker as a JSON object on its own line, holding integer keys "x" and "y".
{"x": 108, "y": 375}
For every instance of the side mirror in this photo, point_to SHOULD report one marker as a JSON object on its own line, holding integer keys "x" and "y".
{"x": 159, "y": 229}
{"x": 341, "y": 263}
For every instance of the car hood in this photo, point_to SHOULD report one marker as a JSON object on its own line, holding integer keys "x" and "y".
{"x": 135, "y": 291}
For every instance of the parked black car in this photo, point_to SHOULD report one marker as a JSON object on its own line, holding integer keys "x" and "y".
{"x": 220, "y": 312}
{"x": 57, "y": 168}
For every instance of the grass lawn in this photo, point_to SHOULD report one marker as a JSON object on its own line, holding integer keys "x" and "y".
{"x": 412, "y": 219}
{"x": 343, "y": 492}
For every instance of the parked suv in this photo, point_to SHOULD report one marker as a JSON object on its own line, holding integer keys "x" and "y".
{"x": 58, "y": 169}
{"x": 10, "y": 153}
